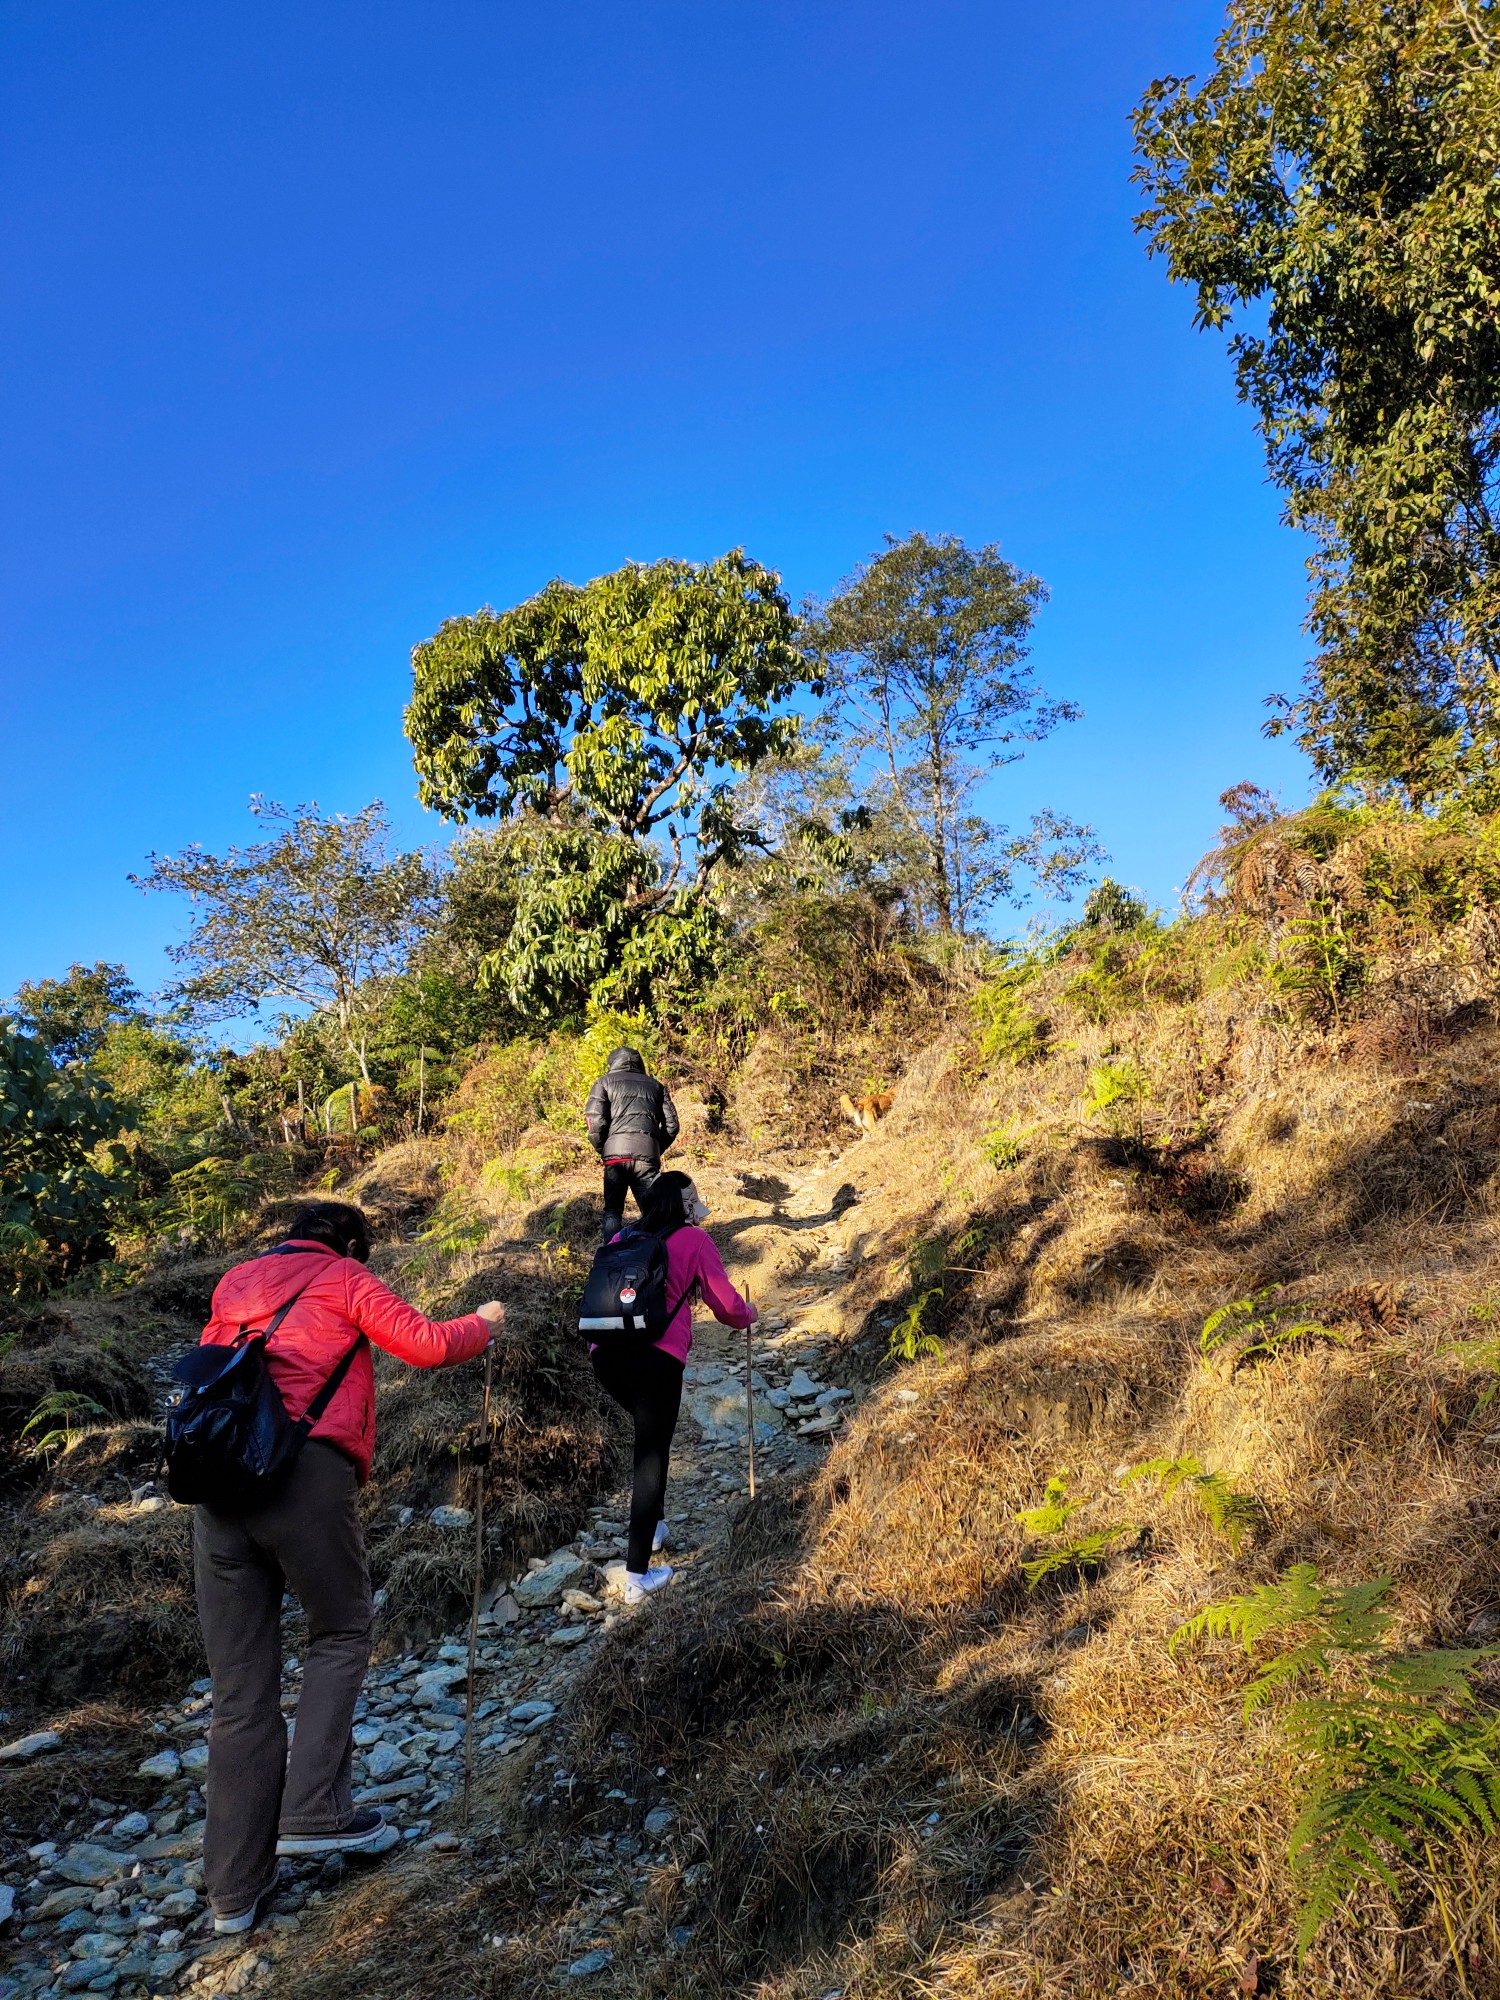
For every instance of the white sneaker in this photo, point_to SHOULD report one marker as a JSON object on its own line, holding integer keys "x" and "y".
{"x": 660, "y": 1539}
{"x": 640, "y": 1584}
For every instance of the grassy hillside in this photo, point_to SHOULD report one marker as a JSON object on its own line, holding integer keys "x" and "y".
{"x": 1208, "y": 1204}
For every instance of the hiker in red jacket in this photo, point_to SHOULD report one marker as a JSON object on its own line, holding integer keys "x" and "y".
{"x": 262, "y": 1802}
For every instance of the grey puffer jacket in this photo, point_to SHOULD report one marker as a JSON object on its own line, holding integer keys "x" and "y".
{"x": 629, "y": 1114}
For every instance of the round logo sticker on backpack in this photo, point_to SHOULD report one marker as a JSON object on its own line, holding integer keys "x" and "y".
{"x": 627, "y": 1295}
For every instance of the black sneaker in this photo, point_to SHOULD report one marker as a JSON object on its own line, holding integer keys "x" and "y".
{"x": 362, "y": 1833}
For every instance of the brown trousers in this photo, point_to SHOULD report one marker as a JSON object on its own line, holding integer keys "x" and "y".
{"x": 307, "y": 1540}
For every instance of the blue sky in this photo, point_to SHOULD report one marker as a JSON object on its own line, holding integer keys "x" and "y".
{"x": 325, "y": 322}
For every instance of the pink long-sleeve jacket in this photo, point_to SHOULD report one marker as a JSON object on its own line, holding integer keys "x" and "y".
{"x": 696, "y": 1270}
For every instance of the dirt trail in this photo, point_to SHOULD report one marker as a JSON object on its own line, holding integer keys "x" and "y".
{"x": 140, "y": 1927}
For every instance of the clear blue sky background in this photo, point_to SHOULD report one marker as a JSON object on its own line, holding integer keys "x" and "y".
{"x": 323, "y": 322}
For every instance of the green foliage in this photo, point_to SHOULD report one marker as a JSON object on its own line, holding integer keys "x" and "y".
{"x": 591, "y": 929}
{"x": 1086, "y": 1552}
{"x": 1405, "y": 1755}
{"x": 1326, "y": 1621}
{"x": 924, "y": 649}
{"x": 907, "y": 1340}
{"x": 53, "y": 1193}
{"x": 1317, "y": 961}
{"x": 610, "y": 704}
{"x": 1231, "y": 1513}
{"x": 60, "y": 1416}
{"x": 1008, "y": 1030}
{"x": 1006, "y": 1146}
{"x": 1118, "y": 1093}
{"x": 1329, "y": 189}
{"x": 72, "y": 1017}
{"x": 1111, "y": 908}
{"x": 457, "y": 1224}
{"x": 1271, "y": 1322}
{"x": 1081, "y": 1553}
{"x": 215, "y": 1196}
{"x": 1055, "y": 1510}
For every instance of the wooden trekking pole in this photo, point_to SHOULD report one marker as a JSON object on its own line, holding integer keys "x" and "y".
{"x": 482, "y": 1457}
{"x": 749, "y": 1404}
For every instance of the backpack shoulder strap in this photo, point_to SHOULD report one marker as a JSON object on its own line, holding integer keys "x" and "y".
{"x": 329, "y": 1389}
{"x": 275, "y": 1320}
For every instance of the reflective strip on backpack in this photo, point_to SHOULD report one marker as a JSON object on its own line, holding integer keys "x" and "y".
{"x": 601, "y": 1325}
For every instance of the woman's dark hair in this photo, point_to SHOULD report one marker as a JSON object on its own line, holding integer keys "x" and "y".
{"x": 336, "y": 1223}
{"x": 664, "y": 1211}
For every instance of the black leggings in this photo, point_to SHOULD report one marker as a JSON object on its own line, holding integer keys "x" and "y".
{"x": 648, "y": 1384}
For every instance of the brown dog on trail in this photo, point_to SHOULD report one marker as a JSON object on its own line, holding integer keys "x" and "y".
{"x": 870, "y": 1109}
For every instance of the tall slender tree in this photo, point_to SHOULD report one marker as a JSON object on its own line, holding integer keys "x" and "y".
{"x": 924, "y": 650}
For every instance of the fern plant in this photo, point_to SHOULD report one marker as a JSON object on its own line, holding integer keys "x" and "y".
{"x": 908, "y": 1341}
{"x": 1231, "y": 1513}
{"x": 1008, "y": 1031}
{"x": 1407, "y": 1756}
{"x": 60, "y": 1416}
{"x": 1051, "y": 1517}
{"x": 1118, "y": 1093}
{"x": 1005, "y": 1146}
{"x": 1087, "y": 1552}
{"x": 1273, "y": 1321}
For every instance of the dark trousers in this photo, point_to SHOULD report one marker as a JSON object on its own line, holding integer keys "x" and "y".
{"x": 648, "y": 1384}
{"x": 636, "y": 1177}
{"x": 308, "y": 1539}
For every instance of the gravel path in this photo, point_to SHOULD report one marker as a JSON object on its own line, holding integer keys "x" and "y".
{"x": 120, "y": 1911}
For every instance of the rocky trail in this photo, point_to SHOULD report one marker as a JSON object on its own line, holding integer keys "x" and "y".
{"x": 115, "y": 1904}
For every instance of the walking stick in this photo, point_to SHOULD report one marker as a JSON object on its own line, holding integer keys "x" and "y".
{"x": 749, "y": 1404}
{"x": 482, "y": 1456}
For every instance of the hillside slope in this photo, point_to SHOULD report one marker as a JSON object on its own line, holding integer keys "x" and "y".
{"x": 894, "y": 1767}
{"x": 884, "y": 1737}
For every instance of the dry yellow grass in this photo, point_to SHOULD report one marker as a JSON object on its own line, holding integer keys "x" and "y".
{"x": 900, "y": 1772}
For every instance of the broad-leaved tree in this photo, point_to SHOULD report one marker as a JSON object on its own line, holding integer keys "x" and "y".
{"x": 605, "y": 723}
{"x": 308, "y": 915}
{"x": 1328, "y": 192}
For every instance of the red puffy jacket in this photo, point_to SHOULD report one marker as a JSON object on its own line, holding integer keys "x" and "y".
{"x": 339, "y": 1300}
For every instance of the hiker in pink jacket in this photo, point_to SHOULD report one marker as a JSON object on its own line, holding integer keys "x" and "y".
{"x": 647, "y": 1382}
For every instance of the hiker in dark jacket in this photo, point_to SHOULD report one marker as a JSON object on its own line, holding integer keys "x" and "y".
{"x": 631, "y": 1120}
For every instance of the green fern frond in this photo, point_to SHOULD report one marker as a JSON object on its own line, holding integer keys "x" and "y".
{"x": 1274, "y": 1321}
{"x": 1051, "y": 1517}
{"x": 1402, "y": 1760}
{"x": 1170, "y": 1471}
{"x": 1085, "y": 1553}
{"x": 1348, "y": 1618}
{"x": 1230, "y": 1512}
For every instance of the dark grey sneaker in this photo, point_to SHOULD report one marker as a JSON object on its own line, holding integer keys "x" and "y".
{"x": 363, "y": 1831}
{"x": 233, "y": 1923}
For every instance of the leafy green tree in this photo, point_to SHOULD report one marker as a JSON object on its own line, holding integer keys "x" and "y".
{"x": 72, "y": 1017}
{"x": 592, "y": 927}
{"x": 309, "y": 915}
{"x": 924, "y": 652}
{"x": 1329, "y": 194}
{"x": 53, "y": 1193}
{"x": 623, "y": 705}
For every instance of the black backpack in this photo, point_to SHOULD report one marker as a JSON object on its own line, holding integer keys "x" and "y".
{"x": 230, "y": 1442}
{"x": 625, "y": 1296}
